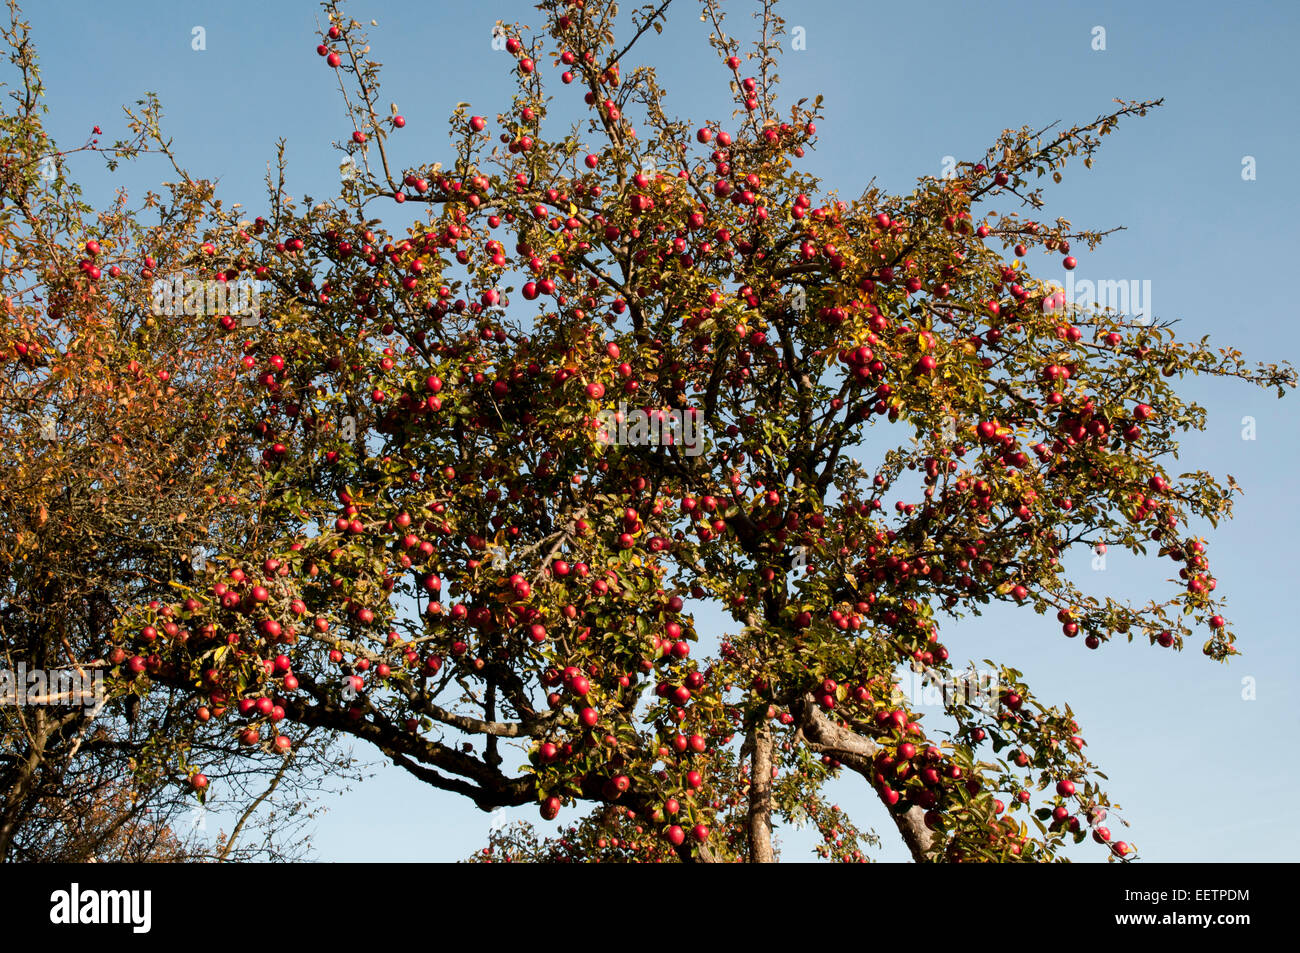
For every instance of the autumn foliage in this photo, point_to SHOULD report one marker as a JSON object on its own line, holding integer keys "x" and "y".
{"x": 419, "y": 539}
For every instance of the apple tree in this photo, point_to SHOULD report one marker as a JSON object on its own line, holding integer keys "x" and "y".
{"x": 517, "y": 417}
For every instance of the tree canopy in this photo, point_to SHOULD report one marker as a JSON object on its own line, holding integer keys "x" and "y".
{"x": 459, "y": 486}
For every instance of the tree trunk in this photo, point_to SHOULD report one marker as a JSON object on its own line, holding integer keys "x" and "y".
{"x": 760, "y": 796}
{"x": 24, "y": 780}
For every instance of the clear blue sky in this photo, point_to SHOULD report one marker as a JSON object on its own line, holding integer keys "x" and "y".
{"x": 1201, "y": 773}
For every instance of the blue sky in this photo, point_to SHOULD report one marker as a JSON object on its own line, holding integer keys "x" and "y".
{"x": 1202, "y": 774}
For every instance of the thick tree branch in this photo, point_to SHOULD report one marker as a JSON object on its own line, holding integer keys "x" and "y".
{"x": 858, "y": 753}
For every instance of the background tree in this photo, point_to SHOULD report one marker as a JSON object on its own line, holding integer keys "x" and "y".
{"x": 449, "y": 562}
{"x": 117, "y": 432}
